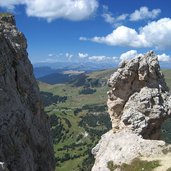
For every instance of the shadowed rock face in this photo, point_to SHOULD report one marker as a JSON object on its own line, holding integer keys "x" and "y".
{"x": 25, "y": 143}
{"x": 139, "y": 100}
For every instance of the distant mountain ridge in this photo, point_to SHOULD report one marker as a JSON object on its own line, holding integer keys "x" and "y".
{"x": 43, "y": 69}
{"x": 78, "y": 78}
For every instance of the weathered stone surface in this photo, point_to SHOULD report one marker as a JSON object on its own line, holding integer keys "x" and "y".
{"x": 25, "y": 143}
{"x": 123, "y": 147}
{"x": 3, "y": 167}
{"x": 138, "y": 104}
{"x": 139, "y": 99}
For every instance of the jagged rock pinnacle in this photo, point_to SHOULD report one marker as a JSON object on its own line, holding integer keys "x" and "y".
{"x": 139, "y": 100}
{"x": 138, "y": 104}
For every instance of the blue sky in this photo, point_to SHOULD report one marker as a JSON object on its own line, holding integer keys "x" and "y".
{"x": 96, "y": 30}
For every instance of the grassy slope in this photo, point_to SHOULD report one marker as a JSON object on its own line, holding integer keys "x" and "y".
{"x": 166, "y": 134}
{"x": 101, "y": 74}
{"x": 66, "y": 145}
{"x": 167, "y": 75}
{"x": 66, "y": 110}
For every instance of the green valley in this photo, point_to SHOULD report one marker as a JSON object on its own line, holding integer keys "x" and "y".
{"x": 78, "y": 116}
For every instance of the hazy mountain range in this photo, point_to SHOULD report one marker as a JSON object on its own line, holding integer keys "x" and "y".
{"x": 44, "y": 69}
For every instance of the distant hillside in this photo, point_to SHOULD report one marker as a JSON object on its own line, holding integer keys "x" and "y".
{"x": 55, "y": 78}
{"x": 78, "y": 78}
{"x": 79, "y": 66}
{"x": 43, "y": 71}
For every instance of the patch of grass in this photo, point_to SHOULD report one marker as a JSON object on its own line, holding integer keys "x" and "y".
{"x": 70, "y": 165}
{"x": 104, "y": 74}
{"x": 138, "y": 165}
{"x": 74, "y": 98}
{"x": 4, "y": 14}
{"x": 111, "y": 166}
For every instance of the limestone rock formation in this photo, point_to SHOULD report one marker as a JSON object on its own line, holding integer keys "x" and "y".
{"x": 138, "y": 104}
{"x": 25, "y": 143}
{"x": 123, "y": 147}
{"x": 139, "y": 99}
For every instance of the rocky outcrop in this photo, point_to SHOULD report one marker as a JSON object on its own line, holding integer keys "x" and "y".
{"x": 138, "y": 104}
{"x": 122, "y": 147}
{"x": 139, "y": 100}
{"x": 25, "y": 143}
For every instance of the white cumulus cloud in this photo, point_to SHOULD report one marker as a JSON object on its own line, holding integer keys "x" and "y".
{"x": 97, "y": 58}
{"x": 9, "y": 4}
{"x": 69, "y": 56}
{"x": 83, "y": 38}
{"x": 144, "y": 13}
{"x": 122, "y": 36}
{"x": 109, "y": 18}
{"x": 126, "y": 56}
{"x": 82, "y": 55}
{"x": 155, "y": 34}
{"x": 114, "y": 21}
{"x": 103, "y": 59}
{"x": 164, "y": 58}
{"x": 141, "y": 14}
{"x": 129, "y": 55}
{"x": 68, "y": 9}
{"x": 50, "y": 55}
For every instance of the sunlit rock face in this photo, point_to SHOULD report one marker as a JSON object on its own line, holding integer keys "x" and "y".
{"x": 25, "y": 143}
{"x": 139, "y": 100}
{"x": 138, "y": 103}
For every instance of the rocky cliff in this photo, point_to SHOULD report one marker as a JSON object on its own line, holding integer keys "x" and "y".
{"x": 25, "y": 143}
{"x": 138, "y": 104}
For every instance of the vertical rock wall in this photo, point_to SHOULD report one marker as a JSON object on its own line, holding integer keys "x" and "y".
{"x": 25, "y": 143}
